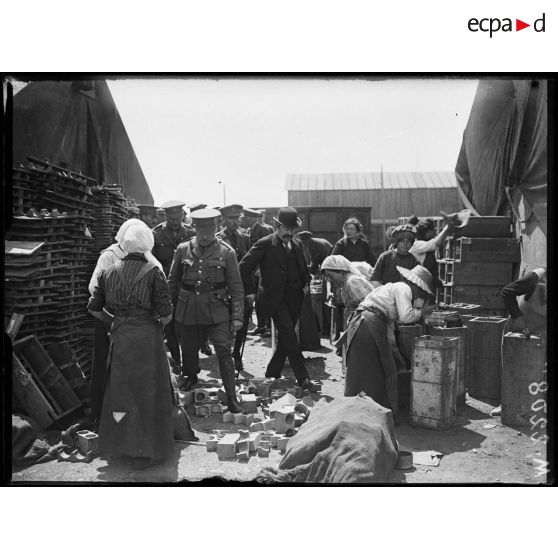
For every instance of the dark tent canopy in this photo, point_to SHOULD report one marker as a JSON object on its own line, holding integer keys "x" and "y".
{"x": 76, "y": 124}
{"x": 504, "y": 150}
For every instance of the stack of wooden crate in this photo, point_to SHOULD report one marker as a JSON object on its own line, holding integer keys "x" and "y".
{"x": 39, "y": 387}
{"x": 476, "y": 262}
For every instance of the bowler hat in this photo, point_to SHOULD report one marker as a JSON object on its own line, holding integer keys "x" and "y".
{"x": 288, "y": 217}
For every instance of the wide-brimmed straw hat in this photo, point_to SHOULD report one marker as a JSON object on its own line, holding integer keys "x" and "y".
{"x": 419, "y": 276}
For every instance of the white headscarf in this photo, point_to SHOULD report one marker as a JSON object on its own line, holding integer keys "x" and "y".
{"x": 341, "y": 263}
{"x": 125, "y": 226}
{"x": 137, "y": 240}
{"x": 134, "y": 236}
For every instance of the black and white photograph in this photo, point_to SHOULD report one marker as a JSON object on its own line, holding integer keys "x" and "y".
{"x": 276, "y": 279}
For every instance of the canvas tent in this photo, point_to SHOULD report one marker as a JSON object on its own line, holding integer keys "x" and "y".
{"x": 76, "y": 123}
{"x": 502, "y": 165}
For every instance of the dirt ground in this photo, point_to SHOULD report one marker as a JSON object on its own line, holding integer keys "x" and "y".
{"x": 477, "y": 449}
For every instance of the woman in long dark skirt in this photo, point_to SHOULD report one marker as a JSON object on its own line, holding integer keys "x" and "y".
{"x": 108, "y": 256}
{"x": 370, "y": 338}
{"x": 136, "y": 416}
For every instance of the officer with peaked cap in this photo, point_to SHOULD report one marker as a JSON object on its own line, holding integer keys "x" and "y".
{"x": 240, "y": 242}
{"x": 148, "y": 214}
{"x": 207, "y": 295}
{"x": 167, "y": 236}
{"x": 260, "y": 228}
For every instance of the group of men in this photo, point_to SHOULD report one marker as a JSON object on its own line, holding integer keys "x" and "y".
{"x": 214, "y": 276}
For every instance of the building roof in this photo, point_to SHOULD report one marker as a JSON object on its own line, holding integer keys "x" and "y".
{"x": 370, "y": 181}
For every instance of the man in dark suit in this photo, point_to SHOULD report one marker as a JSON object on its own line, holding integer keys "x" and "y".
{"x": 283, "y": 284}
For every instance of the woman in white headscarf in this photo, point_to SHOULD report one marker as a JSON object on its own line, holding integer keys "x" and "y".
{"x": 348, "y": 278}
{"x": 136, "y": 415}
{"x": 106, "y": 259}
{"x": 370, "y": 362}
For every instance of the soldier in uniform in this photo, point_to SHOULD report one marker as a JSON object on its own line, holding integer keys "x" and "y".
{"x": 258, "y": 230}
{"x": 148, "y": 214}
{"x": 207, "y": 295}
{"x": 168, "y": 235}
{"x": 205, "y": 347}
{"x": 240, "y": 242}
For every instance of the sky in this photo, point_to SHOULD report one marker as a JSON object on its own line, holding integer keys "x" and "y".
{"x": 192, "y": 136}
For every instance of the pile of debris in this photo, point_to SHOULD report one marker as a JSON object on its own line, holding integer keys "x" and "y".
{"x": 273, "y": 410}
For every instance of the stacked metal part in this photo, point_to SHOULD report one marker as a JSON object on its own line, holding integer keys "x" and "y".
{"x": 61, "y": 221}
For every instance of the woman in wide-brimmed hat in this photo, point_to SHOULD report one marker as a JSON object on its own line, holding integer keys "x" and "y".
{"x": 370, "y": 338}
{"x": 385, "y": 270}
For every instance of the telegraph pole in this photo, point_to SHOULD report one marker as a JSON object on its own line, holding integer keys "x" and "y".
{"x": 224, "y": 193}
{"x": 383, "y": 205}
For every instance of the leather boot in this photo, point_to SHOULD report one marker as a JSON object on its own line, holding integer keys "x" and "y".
{"x": 226, "y": 368}
{"x": 188, "y": 383}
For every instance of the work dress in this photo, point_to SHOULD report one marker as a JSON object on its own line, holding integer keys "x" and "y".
{"x": 136, "y": 417}
{"x": 370, "y": 364}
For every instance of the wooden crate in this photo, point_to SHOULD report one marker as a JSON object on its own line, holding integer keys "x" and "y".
{"x": 49, "y": 378}
{"x": 486, "y": 227}
{"x": 30, "y": 396}
{"x": 433, "y": 382}
{"x": 492, "y": 250}
{"x": 484, "y": 373}
{"x": 65, "y": 359}
{"x": 523, "y": 364}
{"x": 475, "y": 273}
{"x": 487, "y": 296}
{"x": 464, "y": 308}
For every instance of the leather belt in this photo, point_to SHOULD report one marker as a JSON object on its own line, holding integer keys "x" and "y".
{"x": 200, "y": 287}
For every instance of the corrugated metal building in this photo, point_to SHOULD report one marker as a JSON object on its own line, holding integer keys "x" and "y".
{"x": 403, "y": 193}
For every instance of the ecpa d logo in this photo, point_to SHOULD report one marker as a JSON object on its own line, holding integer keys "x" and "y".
{"x": 493, "y": 25}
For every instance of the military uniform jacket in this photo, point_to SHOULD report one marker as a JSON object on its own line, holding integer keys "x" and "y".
{"x": 241, "y": 245}
{"x": 166, "y": 244}
{"x": 213, "y": 292}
